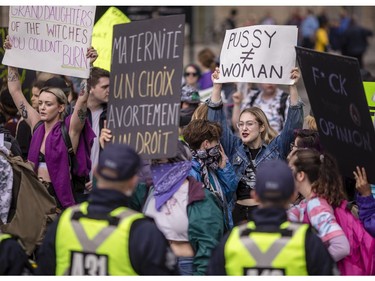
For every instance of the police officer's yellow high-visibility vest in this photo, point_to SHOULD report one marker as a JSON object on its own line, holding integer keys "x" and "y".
{"x": 94, "y": 246}
{"x": 251, "y": 252}
{"x": 4, "y": 236}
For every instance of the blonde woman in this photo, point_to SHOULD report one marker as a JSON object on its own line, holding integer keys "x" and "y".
{"x": 47, "y": 150}
{"x": 257, "y": 142}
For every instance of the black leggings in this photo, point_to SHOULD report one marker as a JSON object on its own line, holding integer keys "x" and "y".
{"x": 242, "y": 214}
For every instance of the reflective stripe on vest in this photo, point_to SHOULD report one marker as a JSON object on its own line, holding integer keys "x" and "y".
{"x": 88, "y": 246}
{"x": 4, "y": 236}
{"x": 266, "y": 253}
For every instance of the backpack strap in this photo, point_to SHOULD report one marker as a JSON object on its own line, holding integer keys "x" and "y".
{"x": 68, "y": 143}
{"x": 66, "y": 138}
{"x": 37, "y": 125}
{"x": 253, "y": 98}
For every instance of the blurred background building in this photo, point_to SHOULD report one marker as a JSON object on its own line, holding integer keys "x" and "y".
{"x": 206, "y": 25}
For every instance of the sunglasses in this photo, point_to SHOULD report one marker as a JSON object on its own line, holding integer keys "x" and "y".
{"x": 194, "y": 74}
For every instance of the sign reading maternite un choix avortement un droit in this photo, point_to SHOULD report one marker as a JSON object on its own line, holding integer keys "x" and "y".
{"x": 145, "y": 85}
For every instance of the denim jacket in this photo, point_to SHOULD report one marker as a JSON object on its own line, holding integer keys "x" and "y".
{"x": 234, "y": 148}
{"x": 228, "y": 185}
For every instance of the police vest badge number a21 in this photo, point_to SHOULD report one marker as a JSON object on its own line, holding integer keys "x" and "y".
{"x": 88, "y": 264}
{"x": 264, "y": 271}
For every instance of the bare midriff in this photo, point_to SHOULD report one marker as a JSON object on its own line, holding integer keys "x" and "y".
{"x": 247, "y": 202}
{"x": 181, "y": 248}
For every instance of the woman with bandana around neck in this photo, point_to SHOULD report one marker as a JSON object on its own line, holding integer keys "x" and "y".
{"x": 185, "y": 212}
{"x": 211, "y": 165}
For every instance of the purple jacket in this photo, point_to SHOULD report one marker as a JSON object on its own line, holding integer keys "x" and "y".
{"x": 56, "y": 155}
{"x": 205, "y": 81}
{"x": 366, "y": 206}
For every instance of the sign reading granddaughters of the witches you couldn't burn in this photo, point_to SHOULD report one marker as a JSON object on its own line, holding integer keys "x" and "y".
{"x": 51, "y": 38}
{"x": 145, "y": 85}
{"x": 258, "y": 54}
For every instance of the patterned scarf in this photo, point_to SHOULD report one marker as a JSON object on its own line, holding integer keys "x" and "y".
{"x": 6, "y": 185}
{"x": 207, "y": 158}
{"x": 167, "y": 180}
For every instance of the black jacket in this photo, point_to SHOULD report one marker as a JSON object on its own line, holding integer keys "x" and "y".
{"x": 13, "y": 259}
{"x": 318, "y": 260}
{"x": 148, "y": 249}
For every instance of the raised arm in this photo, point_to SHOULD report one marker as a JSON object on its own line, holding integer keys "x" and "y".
{"x": 216, "y": 90}
{"x": 30, "y": 115}
{"x": 365, "y": 200}
{"x": 237, "y": 102}
{"x": 294, "y": 119}
{"x": 295, "y": 75}
{"x": 216, "y": 113}
{"x": 78, "y": 118}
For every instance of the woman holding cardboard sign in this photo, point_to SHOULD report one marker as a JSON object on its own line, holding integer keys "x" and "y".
{"x": 256, "y": 143}
{"x": 48, "y": 150}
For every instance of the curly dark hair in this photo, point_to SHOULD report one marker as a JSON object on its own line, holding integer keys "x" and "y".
{"x": 323, "y": 173}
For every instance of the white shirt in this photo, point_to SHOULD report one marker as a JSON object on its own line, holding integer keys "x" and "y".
{"x": 95, "y": 115}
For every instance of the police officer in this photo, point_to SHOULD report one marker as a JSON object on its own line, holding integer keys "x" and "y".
{"x": 103, "y": 236}
{"x": 13, "y": 259}
{"x": 270, "y": 245}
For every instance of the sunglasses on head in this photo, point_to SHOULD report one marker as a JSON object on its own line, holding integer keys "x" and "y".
{"x": 194, "y": 74}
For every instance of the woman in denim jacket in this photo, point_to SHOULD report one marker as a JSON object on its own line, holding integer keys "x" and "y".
{"x": 257, "y": 141}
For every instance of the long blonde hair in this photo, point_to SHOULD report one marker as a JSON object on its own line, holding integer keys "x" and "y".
{"x": 201, "y": 112}
{"x": 269, "y": 133}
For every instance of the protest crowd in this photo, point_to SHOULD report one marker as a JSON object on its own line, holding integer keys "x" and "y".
{"x": 134, "y": 170}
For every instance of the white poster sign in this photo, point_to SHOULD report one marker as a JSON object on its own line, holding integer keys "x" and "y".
{"x": 51, "y": 38}
{"x": 258, "y": 54}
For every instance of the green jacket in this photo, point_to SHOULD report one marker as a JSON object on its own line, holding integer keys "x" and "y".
{"x": 206, "y": 228}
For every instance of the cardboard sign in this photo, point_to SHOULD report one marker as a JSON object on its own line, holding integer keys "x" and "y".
{"x": 258, "y": 54}
{"x": 102, "y": 36}
{"x": 145, "y": 85}
{"x": 370, "y": 96}
{"x": 26, "y": 76}
{"x": 334, "y": 86}
{"x": 51, "y": 38}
